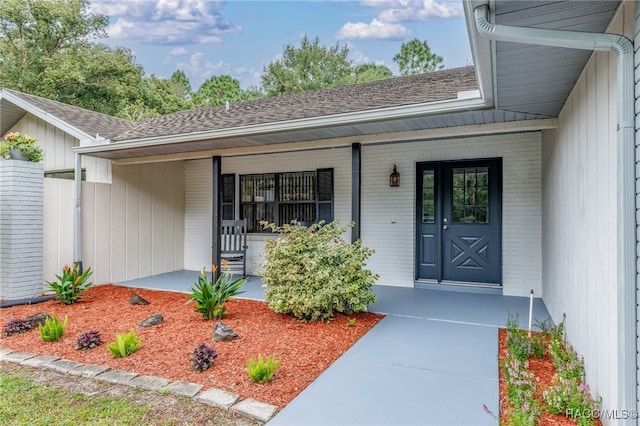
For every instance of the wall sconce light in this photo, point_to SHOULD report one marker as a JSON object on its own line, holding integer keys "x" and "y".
{"x": 394, "y": 177}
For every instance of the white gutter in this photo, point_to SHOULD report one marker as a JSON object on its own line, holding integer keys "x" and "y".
{"x": 626, "y": 250}
{"x": 49, "y": 118}
{"x": 359, "y": 117}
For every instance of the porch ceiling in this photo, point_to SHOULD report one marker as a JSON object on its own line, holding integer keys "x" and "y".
{"x": 536, "y": 79}
{"x": 126, "y": 150}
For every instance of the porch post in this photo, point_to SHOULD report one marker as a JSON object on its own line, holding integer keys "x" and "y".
{"x": 77, "y": 243}
{"x": 355, "y": 190}
{"x": 216, "y": 213}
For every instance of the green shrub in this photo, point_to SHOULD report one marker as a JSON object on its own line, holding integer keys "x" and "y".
{"x": 210, "y": 297}
{"x": 70, "y": 285}
{"x": 53, "y": 328}
{"x": 520, "y": 344}
{"x": 311, "y": 273}
{"x": 125, "y": 344}
{"x": 262, "y": 370}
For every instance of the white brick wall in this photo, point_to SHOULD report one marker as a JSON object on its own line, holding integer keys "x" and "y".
{"x": 21, "y": 218}
{"x": 388, "y": 214}
{"x": 198, "y": 176}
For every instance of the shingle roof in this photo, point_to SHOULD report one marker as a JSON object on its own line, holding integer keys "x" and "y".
{"x": 398, "y": 91}
{"x": 436, "y": 86}
{"x": 89, "y": 122}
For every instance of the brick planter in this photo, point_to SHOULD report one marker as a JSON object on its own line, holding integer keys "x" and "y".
{"x": 21, "y": 229}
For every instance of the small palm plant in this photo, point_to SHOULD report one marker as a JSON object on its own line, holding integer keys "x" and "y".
{"x": 70, "y": 284}
{"x": 211, "y": 296}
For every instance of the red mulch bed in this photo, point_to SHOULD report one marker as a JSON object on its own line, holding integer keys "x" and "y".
{"x": 543, "y": 369}
{"x": 305, "y": 350}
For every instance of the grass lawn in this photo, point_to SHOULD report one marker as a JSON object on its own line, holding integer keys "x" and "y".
{"x": 28, "y": 398}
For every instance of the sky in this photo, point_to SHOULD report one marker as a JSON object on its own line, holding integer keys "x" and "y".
{"x": 238, "y": 38}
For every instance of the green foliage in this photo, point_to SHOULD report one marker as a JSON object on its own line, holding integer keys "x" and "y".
{"x": 308, "y": 67}
{"x": 25, "y": 143}
{"x": 219, "y": 89}
{"x": 415, "y": 57}
{"x": 203, "y": 357}
{"x": 262, "y": 370}
{"x": 210, "y": 296}
{"x": 369, "y": 72}
{"x": 53, "y": 328}
{"x": 125, "y": 344}
{"x": 311, "y": 273}
{"x": 70, "y": 285}
{"x": 88, "y": 340}
{"x": 523, "y": 409}
{"x": 520, "y": 344}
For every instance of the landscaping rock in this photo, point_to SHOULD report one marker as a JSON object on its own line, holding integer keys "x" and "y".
{"x": 152, "y": 320}
{"x": 38, "y": 319}
{"x": 224, "y": 333}
{"x": 137, "y": 300}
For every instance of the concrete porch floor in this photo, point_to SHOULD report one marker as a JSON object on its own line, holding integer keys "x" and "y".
{"x": 431, "y": 361}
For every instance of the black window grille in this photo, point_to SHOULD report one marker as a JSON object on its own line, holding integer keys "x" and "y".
{"x": 228, "y": 197}
{"x": 281, "y": 198}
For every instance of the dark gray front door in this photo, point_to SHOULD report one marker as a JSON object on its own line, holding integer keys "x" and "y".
{"x": 459, "y": 221}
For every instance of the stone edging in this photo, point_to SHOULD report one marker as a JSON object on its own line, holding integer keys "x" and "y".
{"x": 215, "y": 397}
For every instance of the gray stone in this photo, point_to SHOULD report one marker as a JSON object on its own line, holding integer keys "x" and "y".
{"x": 39, "y": 361}
{"x": 63, "y": 365}
{"x": 184, "y": 388}
{"x": 218, "y": 398}
{"x": 152, "y": 320}
{"x": 136, "y": 299}
{"x": 4, "y": 351}
{"x": 38, "y": 319}
{"x": 255, "y": 409}
{"x": 89, "y": 370}
{"x": 117, "y": 376}
{"x": 17, "y": 356}
{"x": 223, "y": 333}
{"x": 149, "y": 382}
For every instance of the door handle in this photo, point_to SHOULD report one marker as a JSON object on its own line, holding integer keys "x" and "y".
{"x": 445, "y": 227}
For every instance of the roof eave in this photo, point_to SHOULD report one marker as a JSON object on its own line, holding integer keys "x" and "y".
{"x": 49, "y": 118}
{"x": 482, "y": 53}
{"x": 359, "y": 117}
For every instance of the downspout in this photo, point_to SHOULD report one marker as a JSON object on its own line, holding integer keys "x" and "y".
{"x": 77, "y": 195}
{"x": 626, "y": 250}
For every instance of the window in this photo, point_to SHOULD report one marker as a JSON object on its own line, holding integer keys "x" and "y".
{"x": 471, "y": 195}
{"x": 280, "y": 198}
{"x": 228, "y": 197}
{"x": 65, "y": 174}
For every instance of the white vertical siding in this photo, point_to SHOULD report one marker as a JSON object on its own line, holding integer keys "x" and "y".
{"x": 198, "y": 177}
{"x": 147, "y": 220}
{"x": 579, "y": 219}
{"x": 636, "y": 31}
{"x": 388, "y": 214}
{"x": 131, "y": 228}
{"x": 57, "y": 146}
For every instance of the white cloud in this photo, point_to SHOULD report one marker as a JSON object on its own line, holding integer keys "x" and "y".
{"x": 178, "y": 51}
{"x": 357, "y": 57}
{"x": 165, "y": 21}
{"x": 198, "y": 69}
{"x": 376, "y": 29}
{"x": 420, "y": 11}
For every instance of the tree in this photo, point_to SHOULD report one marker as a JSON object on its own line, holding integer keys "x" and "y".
{"x": 33, "y": 33}
{"x": 180, "y": 84}
{"x": 370, "y": 72}
{"x": 415, "y": 57}
{"x": 219, "y": 89}
{"x": 308, "y": 67}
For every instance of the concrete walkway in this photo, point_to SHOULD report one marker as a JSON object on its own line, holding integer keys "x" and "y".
{"x": 431, "y": 361}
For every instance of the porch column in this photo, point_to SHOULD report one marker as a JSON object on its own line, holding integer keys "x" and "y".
{"x": 355, "y": 190}
{"x": 216, "y": 213}
{"x": 77, "y": 184}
